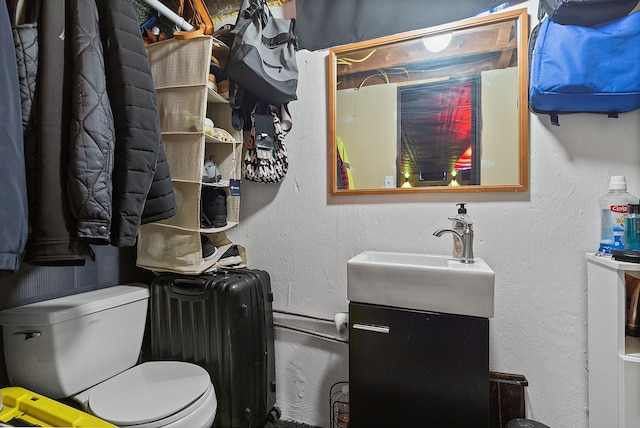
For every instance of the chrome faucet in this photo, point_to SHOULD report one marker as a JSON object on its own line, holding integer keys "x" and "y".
{"x": 466, "y": 238}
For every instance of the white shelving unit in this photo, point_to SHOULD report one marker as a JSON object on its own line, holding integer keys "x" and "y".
{"x": 614, "y": 358}
{"x": 180, "y": 70}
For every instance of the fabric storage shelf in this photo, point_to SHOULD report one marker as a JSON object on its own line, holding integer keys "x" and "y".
{"x": 187, "y": 206}
{"x": 214, "y": 97}
{"x": 161, "y": 243}
{"x": 182, "y": 149}
{"x": 210, "y": 139}
{"x": 182, "y": 109}
{"x": 180, "y": 62}
{"x": 180, "y": 70}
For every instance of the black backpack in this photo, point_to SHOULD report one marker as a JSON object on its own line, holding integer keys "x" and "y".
{"x": 262, "y": 61}
{"x": 584, "y": 12}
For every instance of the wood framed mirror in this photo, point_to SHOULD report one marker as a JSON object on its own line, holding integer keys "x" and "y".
{"x": 444, "y": 109}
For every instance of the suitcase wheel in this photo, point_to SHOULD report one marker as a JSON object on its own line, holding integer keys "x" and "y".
{"x": 274, "y": 414}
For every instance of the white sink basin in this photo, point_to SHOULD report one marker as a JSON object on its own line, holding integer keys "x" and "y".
{"x": 421, "y": 281}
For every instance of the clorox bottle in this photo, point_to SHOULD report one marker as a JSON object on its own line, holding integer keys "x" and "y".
{"x": 613, "y": 206}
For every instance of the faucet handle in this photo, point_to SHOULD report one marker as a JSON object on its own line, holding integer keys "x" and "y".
{"x": 468, "y": 224}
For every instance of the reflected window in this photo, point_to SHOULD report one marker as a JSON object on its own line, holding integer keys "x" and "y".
{"x": 439, "y": 126}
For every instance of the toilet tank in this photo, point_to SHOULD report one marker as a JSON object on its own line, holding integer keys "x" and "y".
{"x": 62, "y": 346}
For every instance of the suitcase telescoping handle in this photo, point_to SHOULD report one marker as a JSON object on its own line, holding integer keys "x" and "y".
{"x": 189, "y": 289}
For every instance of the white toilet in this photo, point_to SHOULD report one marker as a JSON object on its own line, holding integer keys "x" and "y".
{"x": 86, "y": 346}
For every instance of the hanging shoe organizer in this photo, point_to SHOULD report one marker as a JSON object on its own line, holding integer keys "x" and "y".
{"x": 180, "y": 70}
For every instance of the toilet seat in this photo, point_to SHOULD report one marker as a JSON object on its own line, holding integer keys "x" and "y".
{"x": 156, "y": 394}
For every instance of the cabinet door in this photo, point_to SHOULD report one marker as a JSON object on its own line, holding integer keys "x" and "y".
{"x": 417, "y": 369}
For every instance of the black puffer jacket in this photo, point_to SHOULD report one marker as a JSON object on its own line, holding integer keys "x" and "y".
{"x": 142, "y": 189}
{"x": 127, "y": 144}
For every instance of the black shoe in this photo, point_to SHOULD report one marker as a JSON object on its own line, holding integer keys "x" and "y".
{"x": 213, "y": 207}
{"x": 231, "y": 257}
{"x": 208, "y": 249}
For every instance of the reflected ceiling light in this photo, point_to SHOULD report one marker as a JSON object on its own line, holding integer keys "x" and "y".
{"x": 406, "y": 180}
{"x": 438, "y": 42}
{"x": 464, "y": 161}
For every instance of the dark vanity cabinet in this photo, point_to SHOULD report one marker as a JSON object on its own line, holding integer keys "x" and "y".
{"x": 410, "y": 368}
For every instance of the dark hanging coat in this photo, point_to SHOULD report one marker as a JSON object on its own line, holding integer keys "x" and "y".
{"x": 53, "y": 240}
{"x": 92, "y": 137}
{"x": 98, "y": 181}
{"x": 13, "y": 191}
{"x": 142, "y": 189}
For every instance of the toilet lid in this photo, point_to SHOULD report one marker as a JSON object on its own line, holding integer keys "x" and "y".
{"x": 148, "y": 392}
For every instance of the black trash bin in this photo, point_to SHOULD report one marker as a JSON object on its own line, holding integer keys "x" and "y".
{"x": 508, "y": 402}
{"x": 506, "y": 398}
{"x": 524, "y": 423}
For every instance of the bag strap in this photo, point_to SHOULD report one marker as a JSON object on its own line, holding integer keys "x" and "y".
{"x": 242, "y": 105}
{"x": 541, "y": 12}
{"x": 236, "y": 95}
{"x": 282, "y": 38}
{"x": 257, "y": 11}
{"x": 263, "y": 125}
{"x": 286, "y": 123}
{"x": 544, "y": 5}
{"x": 555, "y": 121}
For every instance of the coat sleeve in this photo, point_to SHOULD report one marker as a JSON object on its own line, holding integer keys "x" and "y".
{"x": 13, "y": 190}
{"x": 92, "y": 136}
{"x": 138, "y": 139}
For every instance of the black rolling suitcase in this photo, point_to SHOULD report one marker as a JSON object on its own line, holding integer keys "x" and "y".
{"x": 223, "y": 322}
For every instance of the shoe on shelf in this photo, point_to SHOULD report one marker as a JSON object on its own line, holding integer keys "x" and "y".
{"x": 209, "y": 251}
{"x": 223, "y": 89}
{"x": 212, "y": 83}
{"x": 213, "y": 207}
{"x": 216, "y": 70}
{"x": 231, "y": 257}
{"x": 211, "y": 174}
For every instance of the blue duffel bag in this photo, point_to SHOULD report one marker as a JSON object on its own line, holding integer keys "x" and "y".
{"x": 577, "y": 69}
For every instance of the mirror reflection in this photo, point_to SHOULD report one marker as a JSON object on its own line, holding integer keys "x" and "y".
{"x": 443, "y": 109}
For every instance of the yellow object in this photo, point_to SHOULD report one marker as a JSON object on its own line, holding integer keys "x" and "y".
{"x": 348, "y": 61}
{"x": 342, "y": 153}
{"x": 36, "y": 409}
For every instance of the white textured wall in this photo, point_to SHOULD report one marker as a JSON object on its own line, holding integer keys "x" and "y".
{"x": 534, "y": 241}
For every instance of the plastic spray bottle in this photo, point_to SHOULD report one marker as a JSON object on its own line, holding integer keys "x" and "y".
{"x": 459, "y": 227}
{"x": 613, "y": 208}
